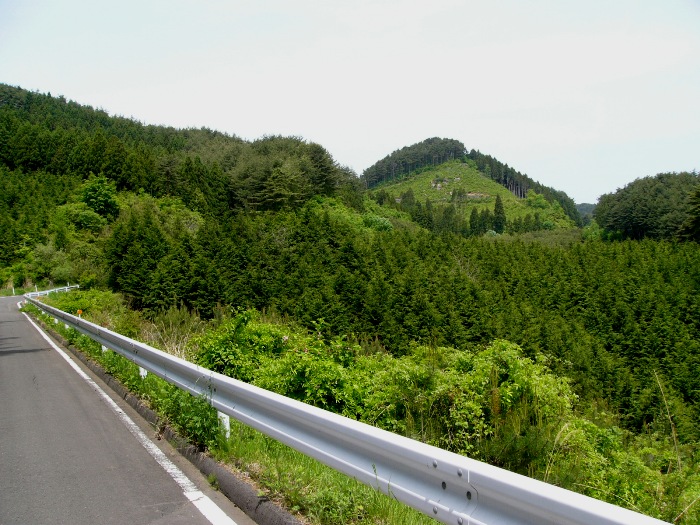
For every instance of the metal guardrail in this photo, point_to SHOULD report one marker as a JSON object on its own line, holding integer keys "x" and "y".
{"x": 450, "y": 488}
{"x": 39, "y": 293}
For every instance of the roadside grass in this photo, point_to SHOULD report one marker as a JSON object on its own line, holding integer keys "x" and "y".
{"x": 306, "y": 486}
{"x": 5, "y": 292}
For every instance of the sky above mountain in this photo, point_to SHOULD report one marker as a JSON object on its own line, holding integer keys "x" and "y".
{"x": 581, "y": 96}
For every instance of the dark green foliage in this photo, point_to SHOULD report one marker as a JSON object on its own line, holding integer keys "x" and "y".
{"x": 99, "y": 194}
{"x": 586, "y": 211}
{"x": 27, "y": 203}
{"x": 211, "y": 172}
{"x": 596, "y": 309}
{"x": 499, "y": 216}
{"x": 152, "y": 257}
{"x": 690, "y": 229}
{"x": 283, "y": 172}
{"x": 133, "y": 254}
{"x": 652, "y": 207}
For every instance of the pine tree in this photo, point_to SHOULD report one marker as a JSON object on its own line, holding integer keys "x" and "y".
{"x": 474, "y": 227}
{"x": 499, "y": 216}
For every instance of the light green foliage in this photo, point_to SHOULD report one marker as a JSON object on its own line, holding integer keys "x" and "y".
{"x": 493, "y": 403}
{"x": 377, "y": 223}
{"x": 520, "y": 403}
{"x": 50, "y": 263}
{"x": 535, "y": 200}
{"x": 302, "y": 375}
{"x": 236, "y": 347}
{"x": 170, "y": 213}
{"x": 440, "y": 183}
{"x": 80, "y": 216}
{"x": 100, "y": 307}
{"x": 173, "y": 331}
{"x": 99, "y": 194}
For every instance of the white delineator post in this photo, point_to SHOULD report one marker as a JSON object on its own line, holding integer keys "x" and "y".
{"x": 225, "y": 422}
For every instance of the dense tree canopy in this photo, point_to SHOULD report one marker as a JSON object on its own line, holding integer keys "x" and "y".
{"x": 209, "y": 171}
{"x": 651, "y": 207}
{"x": 690, "y": 229}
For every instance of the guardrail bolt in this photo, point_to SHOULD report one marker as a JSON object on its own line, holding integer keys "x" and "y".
{"x": 460, "y": 521}
{"x": 434, "y": 510}
{"x": 459, "y": 472}
{"x": 435, "y": 463}
{"x": 469, "y": 495}
{"x": 444, "y": 485}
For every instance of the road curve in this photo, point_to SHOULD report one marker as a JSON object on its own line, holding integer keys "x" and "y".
{"x": 67, "y": 457}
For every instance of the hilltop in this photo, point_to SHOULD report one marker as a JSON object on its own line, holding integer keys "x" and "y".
{"x": 432, "y": 152}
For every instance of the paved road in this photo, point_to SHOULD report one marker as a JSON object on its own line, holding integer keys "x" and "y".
{"x": 67, "y": 457}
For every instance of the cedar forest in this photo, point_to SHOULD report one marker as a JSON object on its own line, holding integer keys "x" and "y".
{"x": 441, "y": 294}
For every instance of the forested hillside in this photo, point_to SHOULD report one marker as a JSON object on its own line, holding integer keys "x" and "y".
{"x": 211, "y": 172}
{"x": 530, "y": 343}
{"x": 657, "y": 207}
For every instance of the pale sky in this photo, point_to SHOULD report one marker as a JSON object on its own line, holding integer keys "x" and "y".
{"x": 583, "y": 96}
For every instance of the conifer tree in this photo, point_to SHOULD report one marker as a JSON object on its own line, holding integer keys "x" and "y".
{"x": 499, "y": 216}
{"x": 474, "y": 227}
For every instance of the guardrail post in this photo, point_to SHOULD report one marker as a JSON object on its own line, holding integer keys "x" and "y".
{"x": 225, "y": 422}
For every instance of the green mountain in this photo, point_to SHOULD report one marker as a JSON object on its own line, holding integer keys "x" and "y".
{"x": 435, "y": 151}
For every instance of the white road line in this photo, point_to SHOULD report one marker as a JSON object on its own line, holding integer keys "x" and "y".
{"x": 204, "y": 504}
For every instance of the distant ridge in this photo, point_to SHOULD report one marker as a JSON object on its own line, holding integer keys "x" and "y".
{"x": 428, "y": 153}
{"x": 519, "y": 184}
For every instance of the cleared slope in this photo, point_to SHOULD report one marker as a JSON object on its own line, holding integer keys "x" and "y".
{"x": 462, "y": 185}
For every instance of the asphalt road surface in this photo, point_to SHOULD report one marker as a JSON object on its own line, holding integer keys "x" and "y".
{"x": 68, "y": 456}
